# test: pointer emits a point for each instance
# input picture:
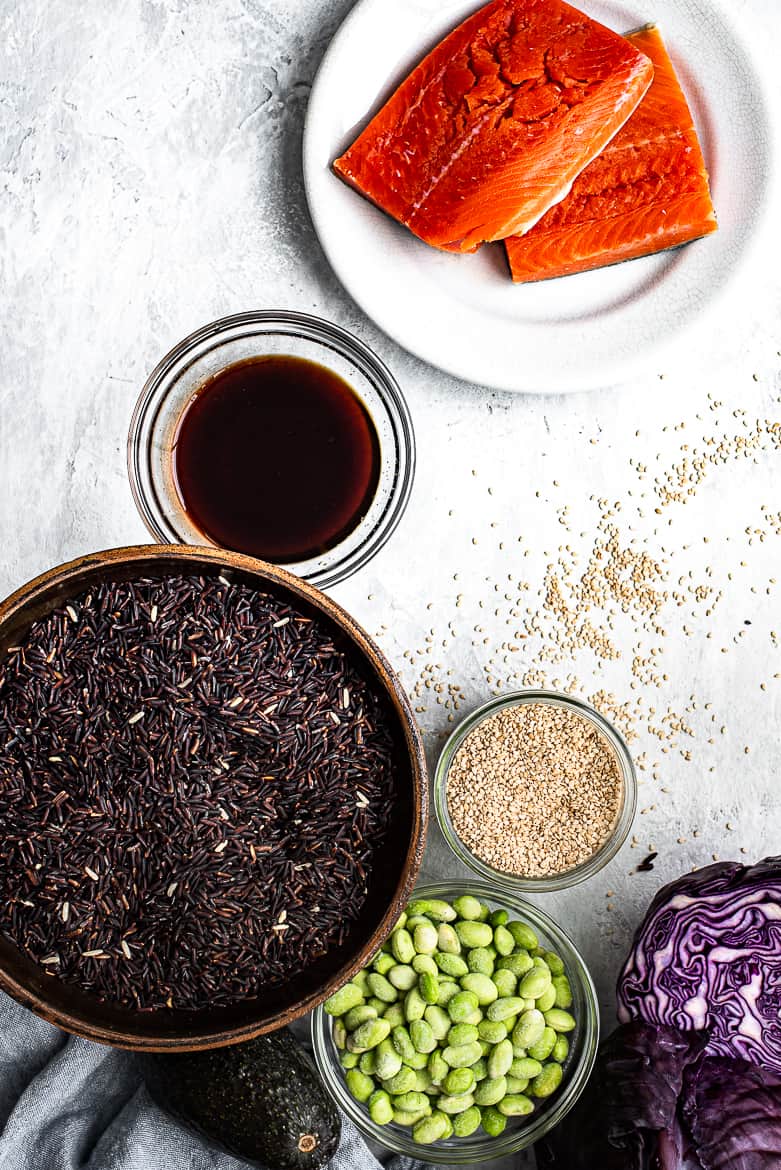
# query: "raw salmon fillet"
(647, 191)
(492, 127)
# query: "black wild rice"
(194, 783)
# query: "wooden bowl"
(392, 883)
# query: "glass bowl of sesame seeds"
(535, 791)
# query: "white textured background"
(150, 158)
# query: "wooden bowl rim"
(172, 554)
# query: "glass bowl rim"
(295, 324)
(483, 1147)
(550, 882)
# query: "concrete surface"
(150, 157)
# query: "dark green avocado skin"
(262, 1101)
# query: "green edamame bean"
(411, 1102)
(388, 1060)
(529, 1029)
(459, 1080)
(503, 940)
(359, 1015)
(559, 1020)
(402, 1042)
(423, 1081)
(447, 939)
(383, 963)
(370, 1034)
(359, 1085)
(382, 989)
(401, 920)
(516, 1106)
(492, 1121)
(524, 936)
(498, 917)
(560, 1049)
(451, 964)
(500, 1009)
(360, 980)
(425, 939)
(516, 1085)
(534, 983)
(402, 977)
(563, 991)
(457, 1104)
(433, 908)
(490, 1091)
(438, 1020)
(378, 1005)
(430, 1129)
(462, 1034)
(465, 1124)
(504, 982)
(447, 990)
(483, 987)
(349, 1060)
(519, 963)
(417, 920)
(414, 1005)
(418, 1060)
(474, 934)
(548, 1081)
(422, 1036)
(368, 1063)
(402, 946)
(402, 1082)
(394, 1014)
(402, 1117)
(462, 1005)
(380, 1108)
(480, 1069)
(546, 1000)
(467, 907)
(424, 963)
(492, 1030)
(480, 960)
(555, 963)
(437, 1067)
(486, 1047)
(525, 1068)
(339, 1033)
(499, 1060)
(343, 1000)
(462, 1055)
(544, 1046)
(428, 986)
(473, 1018)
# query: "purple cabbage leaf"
(733, 1112)
(627, 1117)
(708, 956)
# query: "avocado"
(262, 1101)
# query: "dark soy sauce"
(276, 457)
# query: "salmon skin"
(647, 191)
(493, 126)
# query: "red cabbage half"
(708, 955)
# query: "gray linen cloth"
(66, 1104)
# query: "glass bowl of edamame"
(469, 1036)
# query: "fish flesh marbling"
(647, 191)
(492, 127)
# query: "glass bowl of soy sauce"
(278, 435)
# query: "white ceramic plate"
(462, 313)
